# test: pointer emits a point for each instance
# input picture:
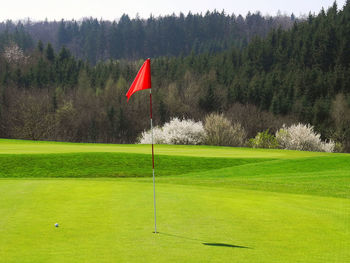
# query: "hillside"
(296, 75)
(173, 35)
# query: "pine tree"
(49, 52)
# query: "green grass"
(38, 147)
(324, 176)
(108, 164)
(215, 204)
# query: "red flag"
(142, 80)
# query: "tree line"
(98, 40)
(299, 74)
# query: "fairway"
(214, 204)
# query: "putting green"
(112, 221)
(230, 205)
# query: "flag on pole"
(142, 80)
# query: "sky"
(38, 10)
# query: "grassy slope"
(271, 170)
(38, 147)
(325, 176)
(108, 164)
(285, 206)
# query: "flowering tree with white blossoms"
(14, 54)
(177, 131)
(303, 138)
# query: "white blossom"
(175, 132)
(14, 54)
(303, 138)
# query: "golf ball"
(56, 225)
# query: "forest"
(98, 40)
(263, 75)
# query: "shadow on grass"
(204, 243)
(223, 245)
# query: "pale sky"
(113, 9)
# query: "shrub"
(264, 140)
(338, 147)
(220, 131)
(175, 132)
(302, 137)
(158, 136)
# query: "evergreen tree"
(49, 52)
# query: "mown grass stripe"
(108, 165)
(40, 147)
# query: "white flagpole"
(154, 185)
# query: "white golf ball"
(56, 225)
